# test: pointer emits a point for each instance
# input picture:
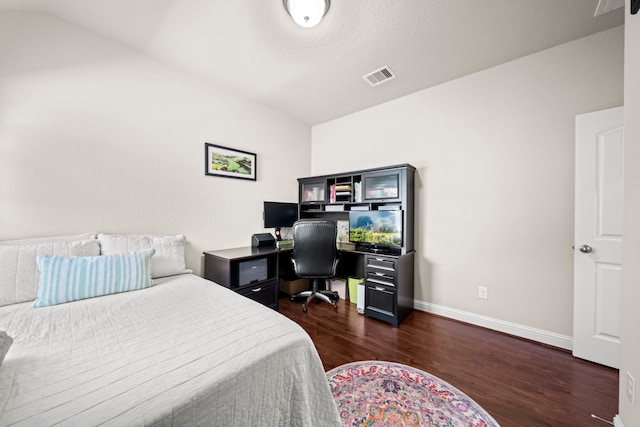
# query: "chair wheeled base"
(331, 297)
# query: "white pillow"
(85, 236)
(169, 257)
(19, 274)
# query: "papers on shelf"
(334, 208)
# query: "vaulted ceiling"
(315, 74)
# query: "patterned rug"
(376, 393)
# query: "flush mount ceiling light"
(307, 13)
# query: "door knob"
(585, 249)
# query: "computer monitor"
(279, 214)
(376, 230)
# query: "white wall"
(494, 153)
(97, 137)
(630, 362)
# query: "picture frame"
(229, 162)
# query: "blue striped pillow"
(69, 279)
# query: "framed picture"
(229, 162)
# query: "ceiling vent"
(379, 76)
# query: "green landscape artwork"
(229, 162)
(235, 164)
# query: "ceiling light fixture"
(307, 13)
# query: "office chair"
(315, 257)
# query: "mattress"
(185, 352)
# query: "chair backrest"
(314, 248)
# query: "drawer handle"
(382, 282)
(380, 267)
(379, 274)
(256, 289)
(378, 288)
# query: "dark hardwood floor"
(520, 383)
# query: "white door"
(598, 237)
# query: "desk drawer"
(253, 270)
(381, 278)
(381, 300)
(379, 263)
(265, 293)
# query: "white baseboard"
(617, 421)
(522, 331)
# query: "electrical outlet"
(483, 292)
(631, 389)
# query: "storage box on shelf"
(293, 286)
(313, 191)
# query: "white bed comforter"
(185, 352)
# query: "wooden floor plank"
(519, 382)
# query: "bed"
(183, 352)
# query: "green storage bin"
(353, 288)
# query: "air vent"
(381, 75)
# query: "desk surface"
(251, 252)
(245, 252)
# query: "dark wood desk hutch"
(388, 270)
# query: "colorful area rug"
(376, 393)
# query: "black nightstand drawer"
(264, 293)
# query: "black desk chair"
(315, 257)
